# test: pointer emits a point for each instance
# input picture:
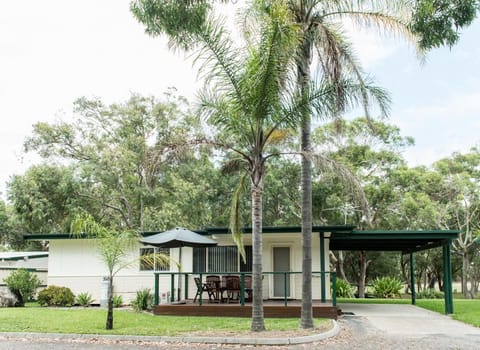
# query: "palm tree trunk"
(303, 76)
(109, 324)
(258, 323)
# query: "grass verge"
(92, 321)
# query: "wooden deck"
(271, 309)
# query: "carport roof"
(407, 241)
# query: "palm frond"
(235, 215)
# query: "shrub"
(22, 284)
(344, 289)
(143, 300)
(84, 299)
(429, 293)
(387, 287)
(56, 296)
(117, 301)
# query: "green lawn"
(467, 311)
(92, 321)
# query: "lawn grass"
(126, 322)
(467, 311)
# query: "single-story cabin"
(75, 262)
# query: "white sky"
(55, 51)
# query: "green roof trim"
(206, 231)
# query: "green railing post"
(412, 279)
(322, 268)
(334, 288)
(186, 286)
(172, 287)
(200, 301)
(285, 287)
(242, 288)
(155, 298)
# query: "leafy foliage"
(344, 289)
(84, 299)
(438, 22)
(23, 284)
(117, 300)
(56, 296)
(143, 300)
(387, 287)
(429, 293)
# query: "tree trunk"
(109, 324)
(363, 273)
(465, 271)
(258, 323)
(303, 80)
(341, 266)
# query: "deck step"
(232, 310)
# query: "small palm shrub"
(84, 299)
(117, 301)
(430, 293)
(22, 284)
(56, 296)
(143, 300)
(344, 289)
(387, 287)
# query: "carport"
(406, 242)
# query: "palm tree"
(113, 248)
(320, 22)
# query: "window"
(150, 261)
(221, 259)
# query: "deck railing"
(286, 275)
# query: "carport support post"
(412, 279)
(447, 277)
(322, 267)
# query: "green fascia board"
(284, 229)
(207, 231)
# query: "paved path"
(371, 327)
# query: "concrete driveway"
(409, 320)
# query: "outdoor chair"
(232, 288)
(215, 287)
(201, 288)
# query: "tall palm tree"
(251, 97)
(320, 22)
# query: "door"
(281, 263)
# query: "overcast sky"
(54, 51)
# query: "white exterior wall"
(75, 263)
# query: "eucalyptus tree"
(461, 203)
(126, 160)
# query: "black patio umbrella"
(177, 238)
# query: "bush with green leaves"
(56, 296)
(344, 289)
(117, 301)
(23, 284)
(143, 300)
(84, 299)
(387, 287)
(430, 293)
